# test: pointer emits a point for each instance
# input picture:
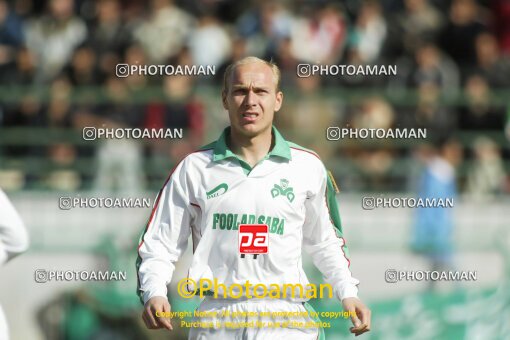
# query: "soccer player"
(250, 175)
(13, 241)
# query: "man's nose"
(250, 99)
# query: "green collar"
(221, 151)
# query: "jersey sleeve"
(324, 241)
(165, 237)
(13, 235)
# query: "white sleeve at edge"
(166, 237)
(13, 235)
(325, 247)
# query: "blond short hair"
(248, 60)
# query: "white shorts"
(237, 312)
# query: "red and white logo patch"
(253, 238)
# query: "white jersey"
(13, 241)
(212, 192)
(13, 235)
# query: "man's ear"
(279, 101)
(224, 99)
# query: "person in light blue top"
(433, 228)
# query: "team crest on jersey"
(217, 191)
(283, 190)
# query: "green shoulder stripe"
(296, 146)
(138, 290)
(334, 213)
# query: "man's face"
(251, 99)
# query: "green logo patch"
(219, 190)
(284, 190)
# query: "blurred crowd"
(443, 49)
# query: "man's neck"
(251, 149)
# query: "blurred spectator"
(374, 113)
(53, 38)
(82, 70)
(26, 8)
(238, 51)
(374, 162)
(430, 113)
(61, 155)
(353, 57)
(118, 107)
(420, 155)
(297, 115)
(163, 34)
(264, 26)
(226, 11)
(369, 32)
(286, 62)
(420, 22)
(494, 66)
(62, 176)
(501, 13)
(58, 110)
(479, 113)
(321, 37)
(108, 32)
(432, 234)
(429, 66)
(486, 177)
(181, 109)
(27, 113)
(209, 43)
(22, 72)
(83, 116)
(458, 37)
(119, 160)
(135, 55)
(119, 166)
(433, 67)
(11, 35)
(109, 35)
(507, 129)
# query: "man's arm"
(164, 240)
(13, 235)
(323, 240)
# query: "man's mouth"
(249, 117)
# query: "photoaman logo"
(219, 190)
